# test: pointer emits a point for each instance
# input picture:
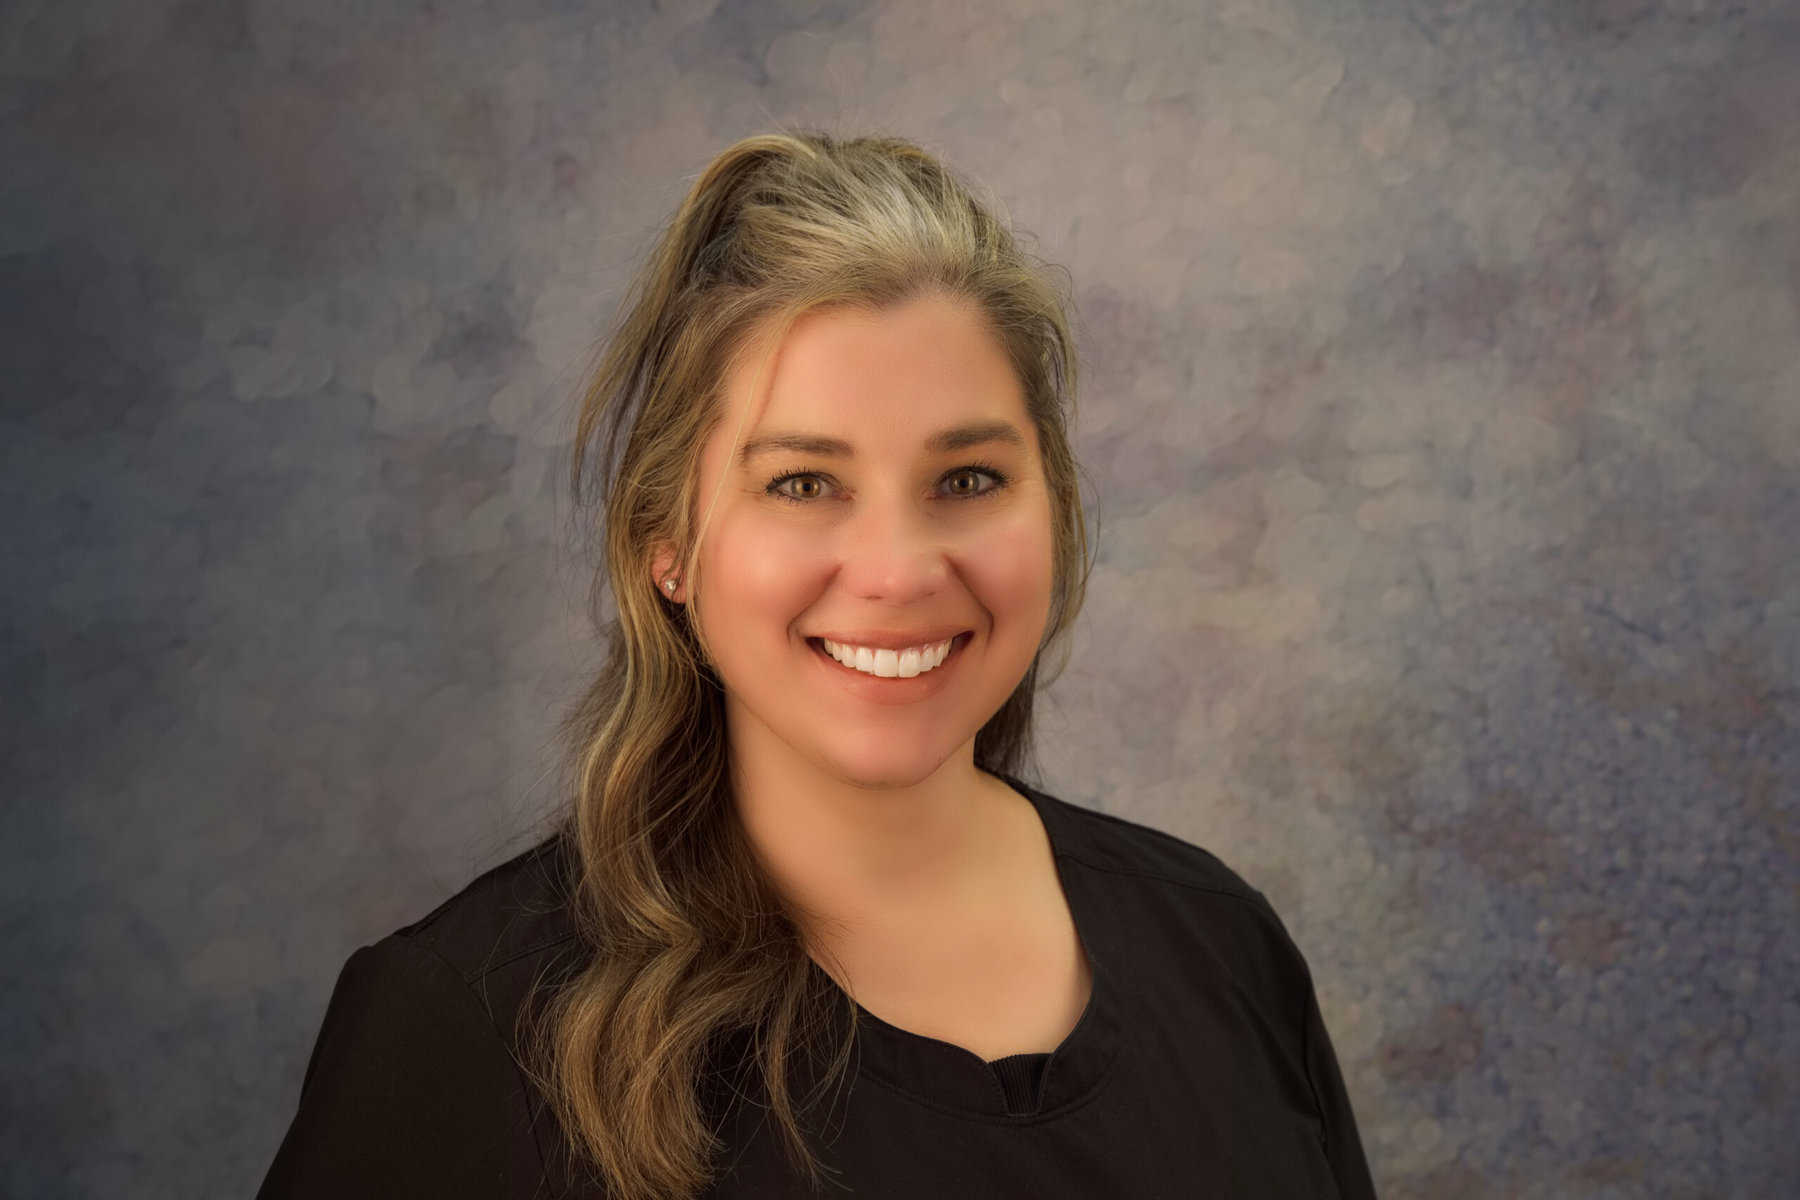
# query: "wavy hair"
(684, 940)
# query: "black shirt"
(1199, 1068)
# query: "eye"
(973, 472)
(809, 485)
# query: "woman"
(804, 924)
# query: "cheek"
(1010, 568)
(766, 569)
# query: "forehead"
(901, 372)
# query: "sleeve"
(1343, 1145)
(410, 1091)
(1290, 987)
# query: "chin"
(886, 765)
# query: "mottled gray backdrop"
(1442, 412)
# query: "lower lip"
(895, 690)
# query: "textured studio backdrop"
(1441, 409)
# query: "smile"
(890, 665)
(904, 664)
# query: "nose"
(893, 553)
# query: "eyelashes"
(776, 485)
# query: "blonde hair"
(687, 940)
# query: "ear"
(663, 567)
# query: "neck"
(861, 857)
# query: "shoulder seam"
(425, 948)
(1309, 1002)
(489, 968)
(1245, 894)
(482, 970)
(1312, 1084)
(485, 879)
(425, 929)
(1130, 827)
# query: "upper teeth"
(914, 660)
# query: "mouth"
(912, 682)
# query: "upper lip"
(894, 639)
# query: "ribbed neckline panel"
(1019, 1075)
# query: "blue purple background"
(1442, 415)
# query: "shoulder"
(517, 910)
(473, 962)
(506, 931)
(1104, 842)
(415, 1084)
(1150, 876)
(467, 972)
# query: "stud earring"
(669, 584)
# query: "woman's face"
(889, 494)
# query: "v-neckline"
(947, 1075)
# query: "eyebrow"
(957, 437)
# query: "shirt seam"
(1259, 905)
(488, 968)
(1238, 888)
(1313, 1086)
(1243, 894)
(487, 1013)
(1309, 1001)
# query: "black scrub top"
(1200, 1068)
